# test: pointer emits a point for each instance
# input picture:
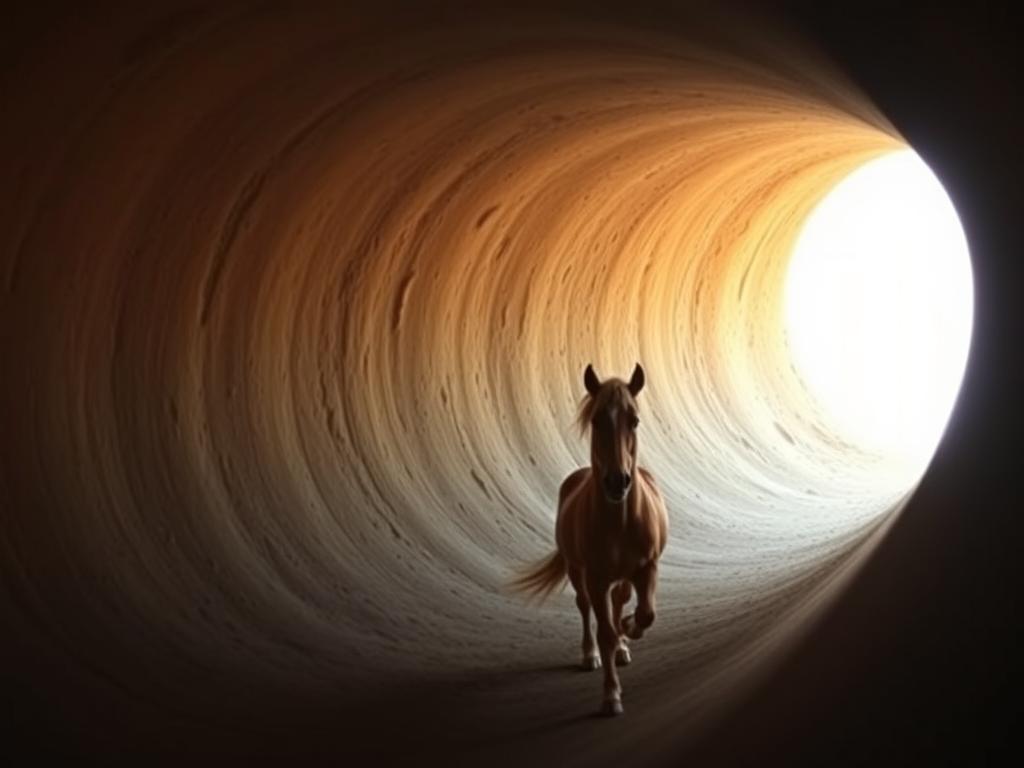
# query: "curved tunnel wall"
(296, 309)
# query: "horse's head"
(610, 410)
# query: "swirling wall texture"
(295, 310)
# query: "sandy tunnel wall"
(295, 312)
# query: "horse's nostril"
(617, 483)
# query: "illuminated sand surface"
(294, 331)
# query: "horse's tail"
(542, 578)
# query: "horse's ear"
(590, 380)
(636, 381)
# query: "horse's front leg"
(621, 593)
(645, 581)
(591, 660)
(607, 639)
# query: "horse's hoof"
(622, 656)
(591, 663)
(611, 707)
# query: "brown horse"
(611, 529)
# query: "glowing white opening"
(879, 305)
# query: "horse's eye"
(634, 421)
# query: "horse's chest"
(625, 554)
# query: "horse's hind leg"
(621, 593)
(591, 658)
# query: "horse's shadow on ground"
(565, 669)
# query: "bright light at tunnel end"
(879, 307)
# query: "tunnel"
(296, 305)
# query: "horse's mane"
(585, 413)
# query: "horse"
(611, 528)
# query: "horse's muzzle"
(616, 486)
